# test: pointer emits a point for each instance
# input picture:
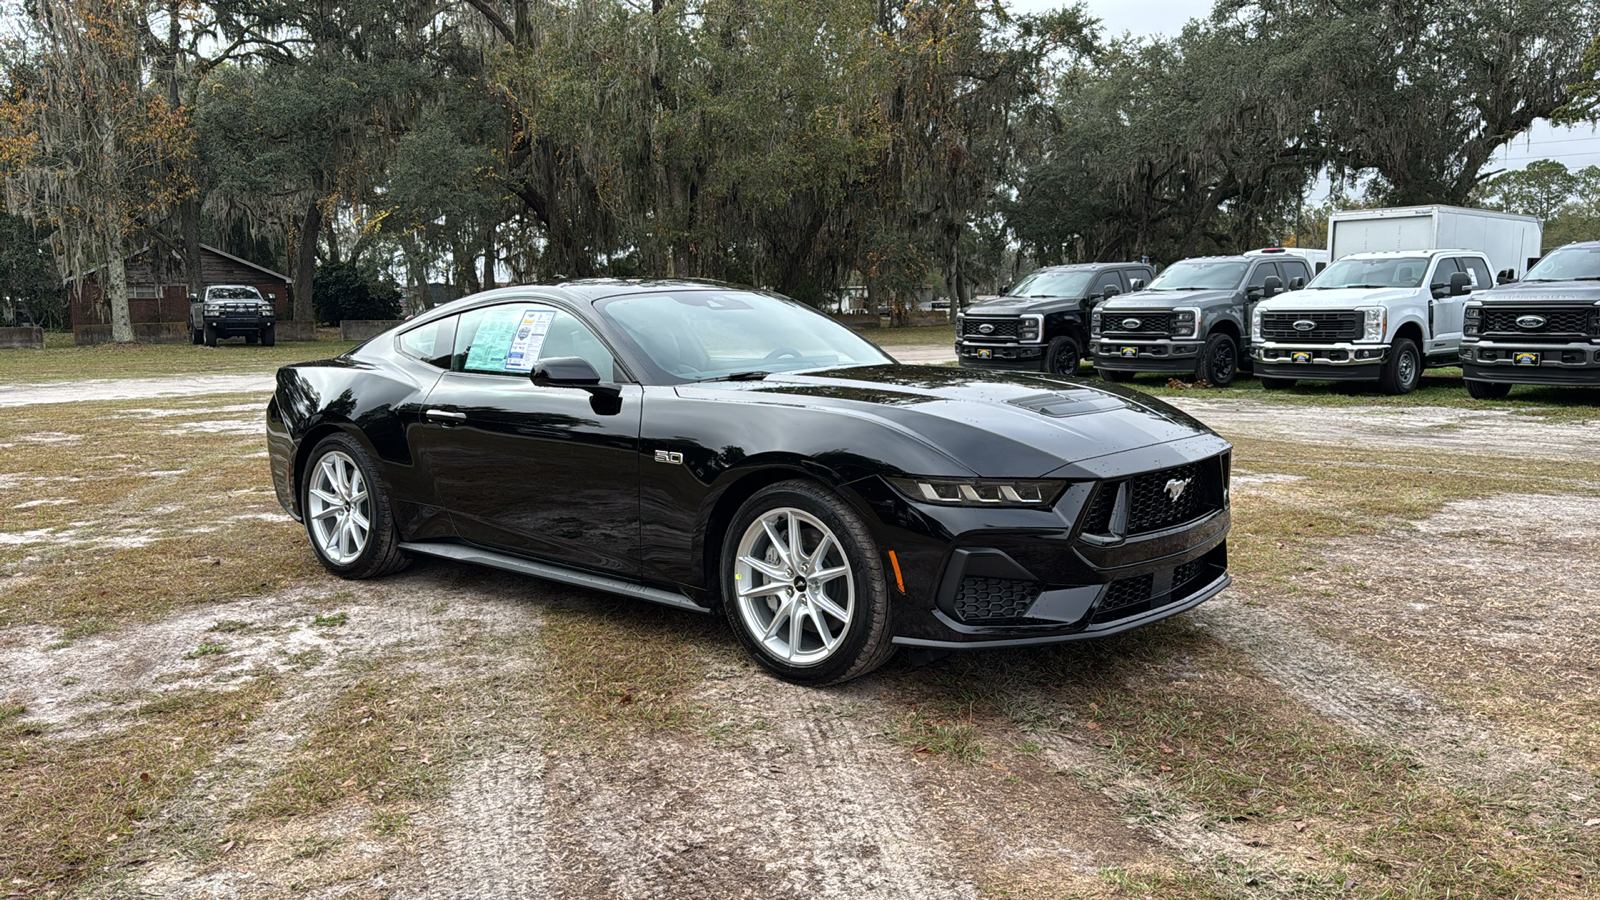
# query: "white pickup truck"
(1380, 317)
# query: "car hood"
(1337, 298)
(1162, 300)
(993, 423)
(1543, 292)
(1016, 306)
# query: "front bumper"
(1024, 357)
(238, 324)
(1164, 356)
(1323, 362)
(1574, 364)
(1006, 577)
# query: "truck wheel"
(1487, 390)
(1063, 357)
(1219, 361)
(1112, 375)
(1276, 384)
(269, 336)
(211, 335)
(1403, 370)
(195, 337)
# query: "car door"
(1254, 287)
(1107, 279)
(551, 472)
(1445, 313)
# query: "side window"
(1478, 271)
(1441, 275)
(1258, 278)
(1292, 269)
(508, 339)
(1107, 279)
(431, 342)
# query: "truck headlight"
(1185, 323)
(1255, 326)
(1472, 321)
(213, 309)
(1094, 322)
(994, 492)
(1377, 322)
(1032, 327)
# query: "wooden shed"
(158, 301)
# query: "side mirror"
(1460, 284)
(1296, 283)
(273, 298)
(1271, 286)
(1505, 276)
(1136, 284)
(194, 298)
(1005, 291)
(572, 371)
(1110, 291)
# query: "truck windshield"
(1390, 271)
(1194, 275)
(234, 293)
(1568, 264)
(1044, 283)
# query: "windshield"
(1568, 264)
(704, 335)
(1045, 283)
(1390, 271)
(1194, 275)
(233, 293)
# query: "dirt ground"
(1413, 710)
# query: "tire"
(1403, 370)
(195, 336)
(1118, 377)
(1062, 357)
(211, 336)
(269, 336)
(250, 339)
(783, 627)
(338, 489)
(1487, 390)
(1219, 361)
(1276, 384)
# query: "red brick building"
(158, 301)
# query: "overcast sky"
(1575, 147)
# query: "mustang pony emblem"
(1176, 487)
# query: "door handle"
(444, 417)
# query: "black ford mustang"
(716, 448)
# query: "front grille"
(1331, 327)
(989, 599)
(1150, 324)
(1098, 520)
(1577, 322)
(1143, 593)
(1150, 502)
(999, 329)
(1123, 593)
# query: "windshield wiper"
(753, 375)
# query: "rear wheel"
(1403, 370)
(1487, 390)
(1063, 357)
(804, 587)
(347, 514)
(1276, 384)
(1219, 360)
(211, 335)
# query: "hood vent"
(1062, 405)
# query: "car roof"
(1398, 254)
(1584, 245)
(1070, 267)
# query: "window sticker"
(1472, 274)
(508, 339)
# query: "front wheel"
(1403, 371)
(195, 335)
(269, 336)
(211, 335)
(804, 587)
(1063, 357)
(347, 514)
(1487, 390)
(1219, 361)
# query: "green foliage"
(28, 278)
(344, 291)
(1568, 202)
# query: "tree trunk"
(488, 257)
(306, 263)
(193, 261)
(115, 286)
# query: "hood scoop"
(1061, 405)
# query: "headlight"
(1255, 326)
(1032, 326)
(1472, 321)
(213, 309)
(1377, 322)
(1185, 323)
(998, 492)
(1094, 321)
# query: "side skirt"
(479, 556)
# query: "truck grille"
(999, 329)
(1151, 505)
(1150, 324)
(1330, 327)
(991, 599)
(1578, 322)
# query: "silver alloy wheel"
(338, 508)
(796, 590)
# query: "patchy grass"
(61, 363)
(67, 806)
(959, 739)
(330, 621)
(911, 336)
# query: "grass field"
(66, 362)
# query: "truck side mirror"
(1136, 284)
(194, 298)
(1296, 283)
(1110, 291)
(273, 297)
(1271, 286)
(1505, 276)
(1460, 284)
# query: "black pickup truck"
(232, 310)
(1544, 329)
(1041, 323)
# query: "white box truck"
(1391, 302)
(1511, 242)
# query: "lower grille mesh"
(987, 599)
